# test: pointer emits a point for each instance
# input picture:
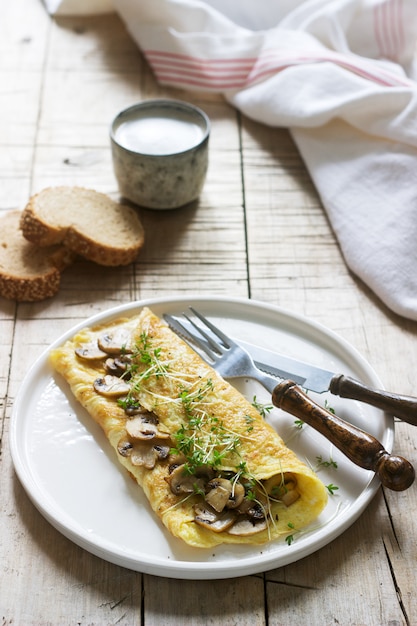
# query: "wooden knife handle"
(404, 407)
(363, 449)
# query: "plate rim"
(202, 569)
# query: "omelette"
(214, 471)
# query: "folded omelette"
(211, 467)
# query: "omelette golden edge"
(192, 425)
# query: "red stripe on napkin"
(238, 73)
(389, 28)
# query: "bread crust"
(62, 227)
(28, 273)
(30, 289)
(35, 231)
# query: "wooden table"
(260, 232)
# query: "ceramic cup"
(160, 153)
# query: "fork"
(230, 360)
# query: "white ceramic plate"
(72, 476)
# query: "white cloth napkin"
(79, 7)
(338, 74)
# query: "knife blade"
(308, 376)
(319, 380)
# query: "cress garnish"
(204, 441)
(203, 455)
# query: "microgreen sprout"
(203, 439)
(322, 463)
(249, 421)
(290, 538)
(332, 488)
(263, 409)
(150, 356)
(128, 403)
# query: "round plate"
(72, 475)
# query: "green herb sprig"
(290, 538)
(263, 409)
(332, 488)
(322, 463)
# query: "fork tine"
(227, 342)
(213, 345)
(203, 345)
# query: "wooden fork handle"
(403, 407)
(361, 448)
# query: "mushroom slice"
(251, 509)
(283, 487)
(244, 527)
(182, 481)
(162, 451)
(279, 483)
(111, 386)
(207, 517)
(137, 409)
(236, 497)
(117, 366)
(116, 342)
(90, 351)
(220, 490)
(123, 362)
(141, 428)
(124, 447)
(175, 460)
(256, 512)
(143, 454)
(290, 497)
(111, 367)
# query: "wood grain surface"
(258, 231)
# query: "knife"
(320, 380)
(360, 447)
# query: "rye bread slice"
(85, 221)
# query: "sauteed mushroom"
(125, 447)
(162, 451)
(117, 366)
(141, 427)
(135, 409)
(90, 352)
(175, 460)
(111, 386)
(117, 342)
(283, 488)
(207, 517)
(181, 481)
(220, 491)
(110, 367)
(236, 497)
(250, 509)
(255, 512)
(245, 527)
(143, 454)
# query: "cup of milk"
(160, 153)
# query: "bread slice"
(85, 221)
(28, 273)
